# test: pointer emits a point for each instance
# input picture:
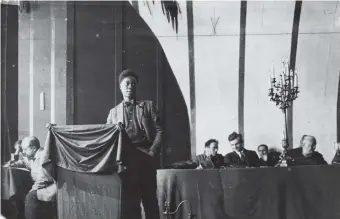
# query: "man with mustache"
(305, 154)
(143, 126)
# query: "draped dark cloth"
(88, 148)
(88, 161)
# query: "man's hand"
(10, 163)
(199, 167)
(151, 153)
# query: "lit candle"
(270, 82)
(273, 70)
(284, 131)
(290, 78)
(284, 127)
(291, 73)
(296, 79)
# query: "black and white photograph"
(174, 109)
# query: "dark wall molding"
(242, 51)
(190, 18)
(9, 79)
(118, 45)
(70, 62)
(292, 63)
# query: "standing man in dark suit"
(240, 157)
(210, 159)
(143, 126)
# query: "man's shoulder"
(200, 156)
(40, 151)
(294, 151)
(219, 155)
(274, 153)
(230, 154)
(250, 152)
(317, 154)
(115, 108)
(40, 154)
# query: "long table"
(15, 183)
(311, 192)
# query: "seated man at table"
(305, 154)
(210, 159)
(267, 158)
(39, 201)
(240, 157)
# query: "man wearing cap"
(142, 124)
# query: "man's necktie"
(243, 157)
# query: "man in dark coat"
(240, 157)
(267, 158)
(305, 154)
(210, 159)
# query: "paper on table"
(19, 168)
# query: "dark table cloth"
(15, 183)
(88, 196)
(311, 192)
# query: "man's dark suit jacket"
(233, 159)
(273, 159)
(217, 161)
(297, 158)
(148, 120)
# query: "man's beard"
(307, 154)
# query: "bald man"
(39, 201)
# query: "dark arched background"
(106, 37)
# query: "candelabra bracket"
(168, 214)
